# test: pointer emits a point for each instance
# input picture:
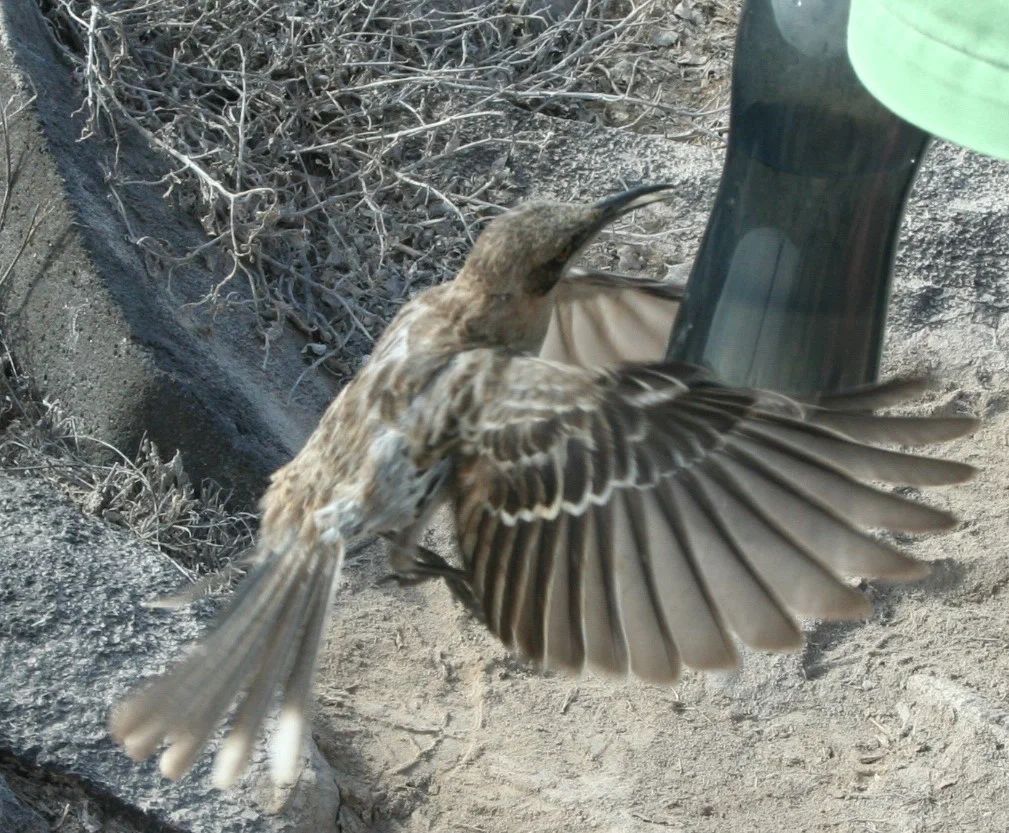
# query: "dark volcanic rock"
(74, 639)
(100, 334)
(17, 819)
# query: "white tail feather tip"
(230, 761)
(285, 747)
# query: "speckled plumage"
(614, 510)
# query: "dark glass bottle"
(790, 286)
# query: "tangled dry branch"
(324, 144)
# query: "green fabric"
(940, 64)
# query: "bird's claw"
(426, 565)
(405, 579)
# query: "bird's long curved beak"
(623, 203)
(616, 206)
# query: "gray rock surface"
(950, 306)
(17, 819)
(94, 329)
(74, 638)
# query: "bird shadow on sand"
(944, 575)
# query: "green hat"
(940, 64)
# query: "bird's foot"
(426, 564)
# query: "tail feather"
(234, 753)
(285, 746)
(267, 639)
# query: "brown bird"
(630, 516)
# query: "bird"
(614, 510)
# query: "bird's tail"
(267, 639)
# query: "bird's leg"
(413, 563)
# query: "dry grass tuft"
(151, 497)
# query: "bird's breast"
(391, 492)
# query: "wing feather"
(603, 319)
(565, 641)
(646, 514)
(688, 607)
(653, 654)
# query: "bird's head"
(520, 256)
(526, 250)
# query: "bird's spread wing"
(634, 519)
(601, 319)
